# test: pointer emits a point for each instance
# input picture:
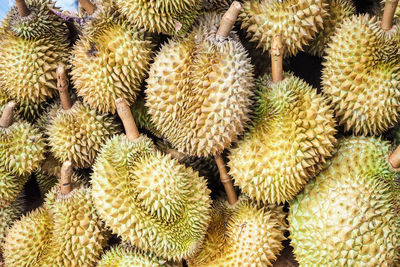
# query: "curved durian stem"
(125, 113)
(22, 8)
(66, 174)
(394, 158)
(7, 118)
(88, 6)
(62, 86)
(226, 180)
(277, 58)
(228, 20)
(388, 14)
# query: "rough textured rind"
(297, 21)
(289, 140)
(77, 134)
(361, 75)
(48, 174)
(360, 191)
(142, 117)
(149, 199)
(110, 61)
(8, 215)
(199, 90)
(10, 187)
(245, 234)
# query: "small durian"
(8, 215)
(110, 60)
(297, 21)
(147, 198)
(48, 175)
(75, 132)
(349, 214)
(361, 74)
(245, 234)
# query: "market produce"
(48, 174)
(8, 215)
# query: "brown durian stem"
(7, 118)
(394, 158)
(228, 20)
(125, 113)
(66, 175)
(62, 86)
(22, 8)
(226, 180)
(88, 6)
(388, 14)
(277, 58)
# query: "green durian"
(142, 117)
(48, 175)
(348, 215)
(290, 138)
(10, 187)
(245, 234)
(8, 215)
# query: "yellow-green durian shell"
(8, 215)
(142, 117)
(10, 187)
(361, 75)
(245, 234)
(347, 215)
(149, 199)
(289, 140)
(297, 21)
(48, 174)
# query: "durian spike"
(394, 158)
(7, 118)
(388, 14)
(88, 6)
(124, 112)
(276, 58)
(226, 180)
(228, 20)
(62, 86)
(66, 174)
(22, 8)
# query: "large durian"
(348, 215)
(110, 60)
(245, 234)
(35, 41)
(75, 132)
(8, 215)
(361, 75)
(147, 198)
(297, 21)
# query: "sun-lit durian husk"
(8, 215)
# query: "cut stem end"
(226, 180)
(229, 18)
(88, 6)
(7, 118)
(394, 158)
(124, 112)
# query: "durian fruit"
(35, 41)
(245, 234)
(142, 117)
(110, 60)
(8, 215)
(48, 174)
(297, 21)
(361, 74)
(75, 132)
(338, 11)
(348, 215)
(147, 198)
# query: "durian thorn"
(66, 174)
(22, 8)
(62, 86)
(277, 58)
(88, 6)
(125, 113)
(7, 118)
(388, 14)
(394, 159)
(226, 180)
(229, 18)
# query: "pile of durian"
(181, 133)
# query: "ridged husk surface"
(10, 187)
(48, 174)
(361, 75)
(297, 21)
(149, 199)
(8, 215)
(199, 90)
(110, 61)
(289, 140)
(245, 234)
(348, 215)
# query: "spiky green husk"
(338, 11)
(8, 215)
(142, 117)
(289, 140)
(48, 174)
(10, 187)
(297, 21)
(77, 134)
(199, 90)
(245, 234)
(149, 199)
(346, 216)
(110, 61)
(361, 75)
